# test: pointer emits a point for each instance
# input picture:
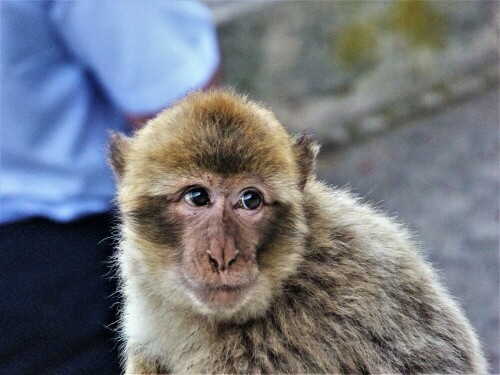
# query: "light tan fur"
(341, 288)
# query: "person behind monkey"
(69, 72)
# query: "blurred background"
(403, 96)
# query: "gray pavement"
(440, 176)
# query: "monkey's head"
(211, 197)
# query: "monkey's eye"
(197, 197)
(250, 200)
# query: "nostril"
(213, 262)
(233, 260)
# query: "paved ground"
(440, 175)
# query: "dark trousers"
(57, 298)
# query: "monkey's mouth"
(224, 297)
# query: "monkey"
(235, 258)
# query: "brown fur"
(341, 288)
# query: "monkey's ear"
(305, 153)
(118, 148)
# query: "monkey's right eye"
(197, 197)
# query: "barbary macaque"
(234, 258)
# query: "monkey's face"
(226, 223)
(211, 197)
(223, 219)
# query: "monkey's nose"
(222, 261)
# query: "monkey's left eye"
(197, 197)
(250, 200)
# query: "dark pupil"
(199, 197)
(251, 200)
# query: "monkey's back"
(362, 301)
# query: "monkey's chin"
(224, 299)
(221, 299)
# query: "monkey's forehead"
(221, 133)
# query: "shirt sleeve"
(144, 54)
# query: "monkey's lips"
(224, 297)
